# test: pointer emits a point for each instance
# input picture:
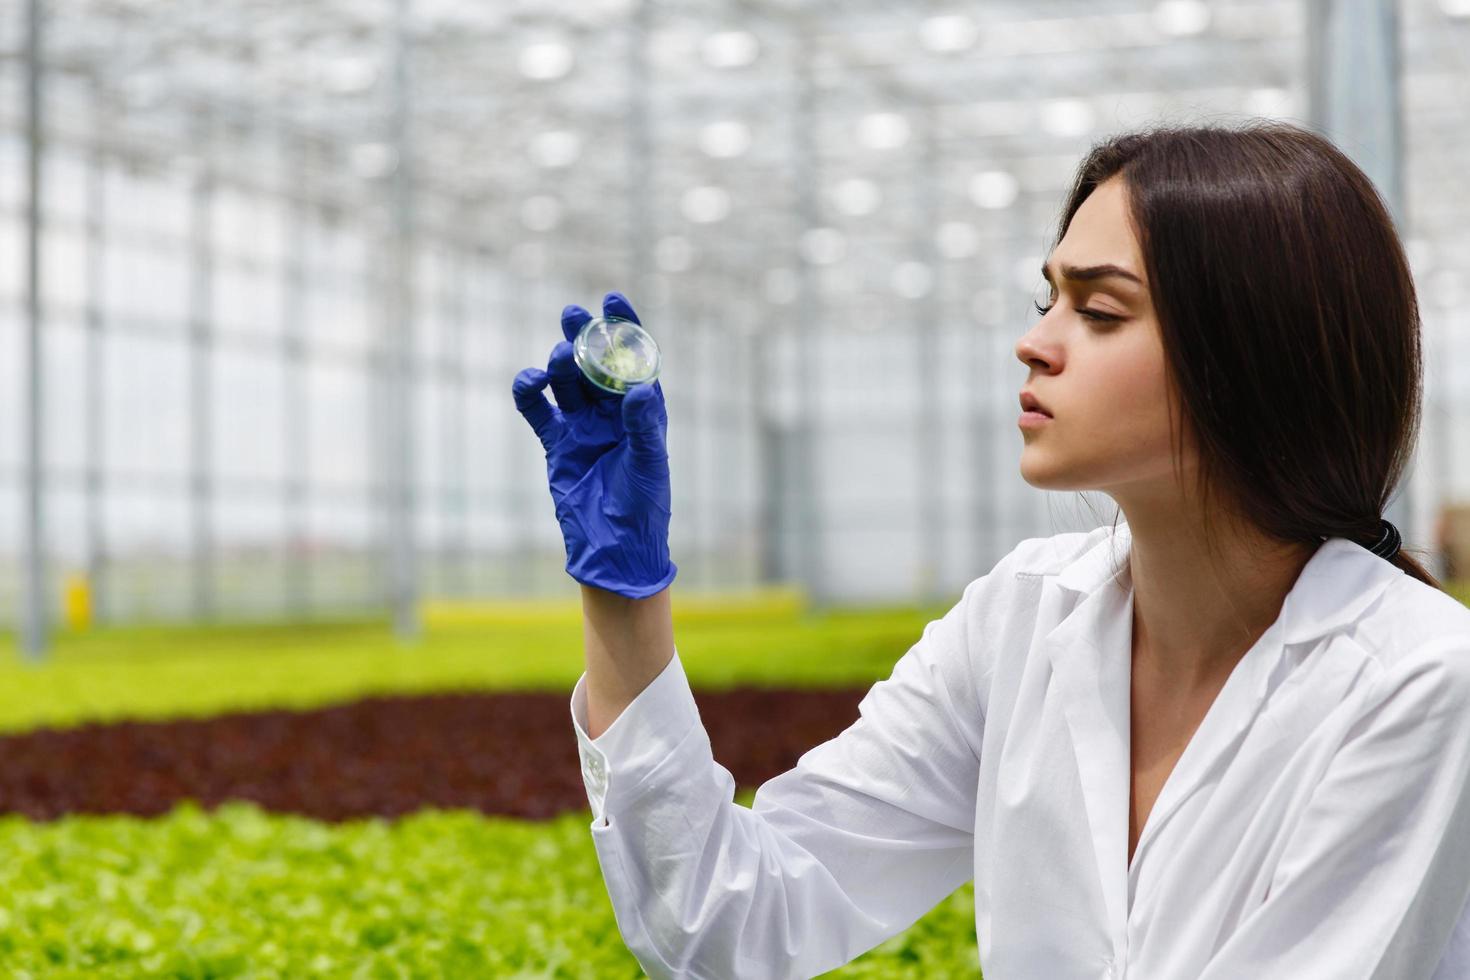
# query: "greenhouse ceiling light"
(883, 131)
(957, 240)
(948, 32)
(1275, 103)
(556, 148)
(673, 253)
(541, 212)
(1067, 117)
(348, 74)
(671, 49)
(1182, 18)
(857, 196)
(705, 205)
(994, 190)
(1027, 272)
(912, 280)
(988, 306)
(544, 61)
(823, 246)
(726, 139)
(729, 49)
(373, 160)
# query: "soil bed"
(508, 754)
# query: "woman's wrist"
(628, 643)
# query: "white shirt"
(1316, 826)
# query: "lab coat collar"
(1336, 585)
(1090, 654)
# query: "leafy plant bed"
(511, 753)
(237, 892)
(158, 673)
(241, 893)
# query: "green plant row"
(237, 892)
(172, 672)
(158, 672)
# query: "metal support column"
(94, 420)
(805, 482)
(452, 435)
(34, 626)
(523, 500)
(705, 420)
(1355, 87)
(927, 359)
(295, 174)
(640, 160)
(403, 556)
(1355, 93)
(993, 441)
(201, 353)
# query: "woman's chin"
(1036, 472)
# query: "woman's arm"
(628, 643)
(867, 833)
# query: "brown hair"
(1288, 316)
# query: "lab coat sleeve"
(1374, 878)
(868, 832)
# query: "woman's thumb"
(644, 418)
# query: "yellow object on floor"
(780, 602)
(77, 601)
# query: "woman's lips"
(1029, 419)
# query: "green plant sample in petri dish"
(615, 354)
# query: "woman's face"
(1101, 380)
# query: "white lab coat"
(1316, 826)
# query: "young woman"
(1226, 737)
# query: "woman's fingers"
(573, 319)
(616, 304)
(645, 419)
(528, 389)
(566, 378)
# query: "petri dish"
(615, 354)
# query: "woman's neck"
(1195, 614)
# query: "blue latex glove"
(607, 464)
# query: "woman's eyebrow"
(1090, 272)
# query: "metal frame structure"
(296, 255)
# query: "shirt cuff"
(637, 741)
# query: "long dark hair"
(1289, 321)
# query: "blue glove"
(607, 464)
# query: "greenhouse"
(292, 617)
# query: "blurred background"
(267, 270)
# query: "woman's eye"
(1090, 314)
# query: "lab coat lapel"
(1338, 582)
(1215, 740)
(1089, 653)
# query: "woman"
(1228, 737)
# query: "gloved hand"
(607, 464)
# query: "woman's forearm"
(628, 643)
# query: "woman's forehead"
(1101, 236)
